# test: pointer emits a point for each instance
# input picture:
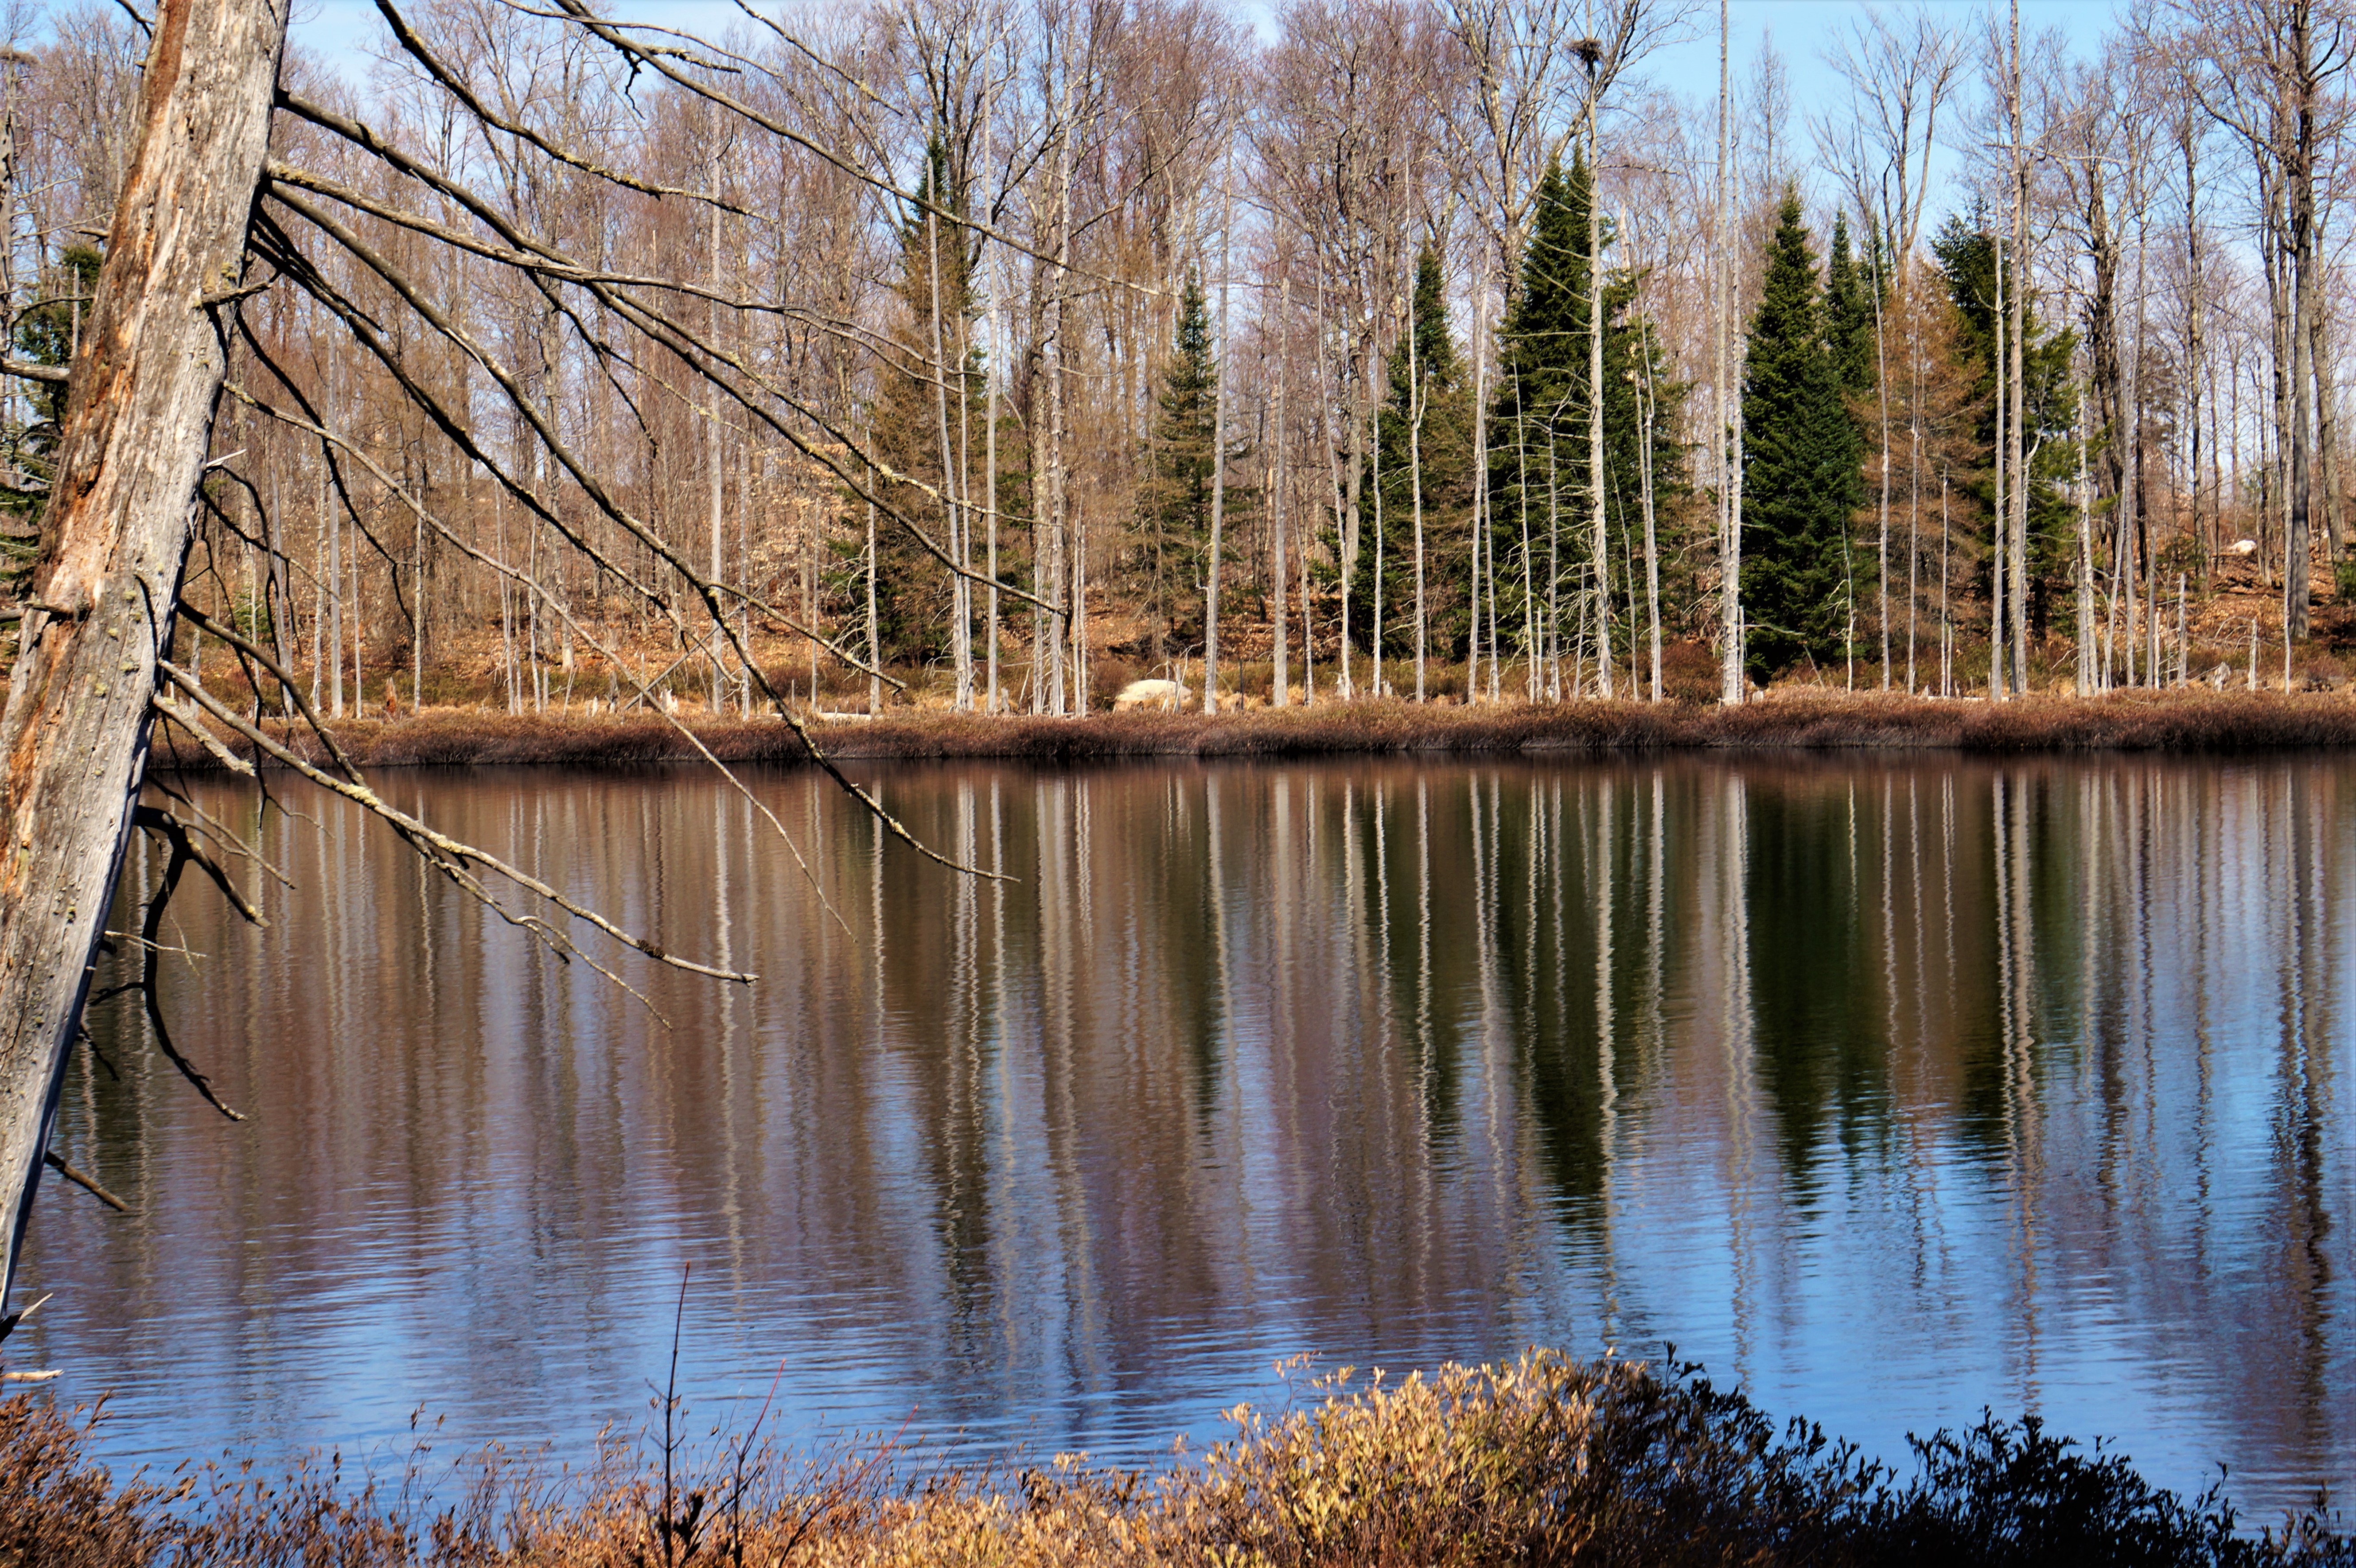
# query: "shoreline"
(2192, 721)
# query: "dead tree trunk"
(73, 739)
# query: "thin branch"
(452, 854)
(58, 1163)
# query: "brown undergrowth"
(2196, 719)
(1548, 1461)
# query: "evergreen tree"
(1167, 558)
(1800, 484)
(1849, 283)
(1432, 377)
(1966, 253)
(1539, 427)
(1174, 511)
(913, 590)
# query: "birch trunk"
(74, 736)
(1729, 523)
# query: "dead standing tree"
(74, 736)
(203, 225)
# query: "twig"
(58, 1163)
(452, 854)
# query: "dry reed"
(1548, 1461)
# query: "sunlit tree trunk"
(1279, 696)
(1730, 484)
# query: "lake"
(1890, 1089)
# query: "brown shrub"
(57, 1507)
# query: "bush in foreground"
(1547, 1461)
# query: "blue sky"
(1801, 28)
(1801, 31)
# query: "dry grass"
(1546, 1462)
(2194, 720)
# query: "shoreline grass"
(2194, 720)
(1548, 1461)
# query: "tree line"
(1434, 348)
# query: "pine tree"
(1799, 481)
(1445, 442)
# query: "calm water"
(1891, 1091)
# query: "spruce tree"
(1174, 511)
(1966, 253)
(914, 590)
(1850, 282)
(1800, 480)
(1538, 424)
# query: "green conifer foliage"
(1800, 483)
(1538, 430)
(1966, 254)
(1445, 444)
(1166, 561)
(913, 589)
(1850, 282)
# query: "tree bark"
(74, 736)
(2300, 178)
(1730, 484)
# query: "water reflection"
(1894, 1091)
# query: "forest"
(990, 355)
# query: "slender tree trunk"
(333, 587)
(1645, 412)
(1730, 484)
(2151, 596)
(2327, 424)
(2086, 571)
(960, 652)
(2305, 306)
(1218, 475)
(990, 479)
(74, 735)
(715, 457)
(875, 651)
(1415, 479)
(1352, 514)
(1280, 694)
(1881, 397)
(2003, 513)
(2194, 305)
(1484, 547)
(1382, 550)
(2017, 444)
(1050, 520)
(1600, 544)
